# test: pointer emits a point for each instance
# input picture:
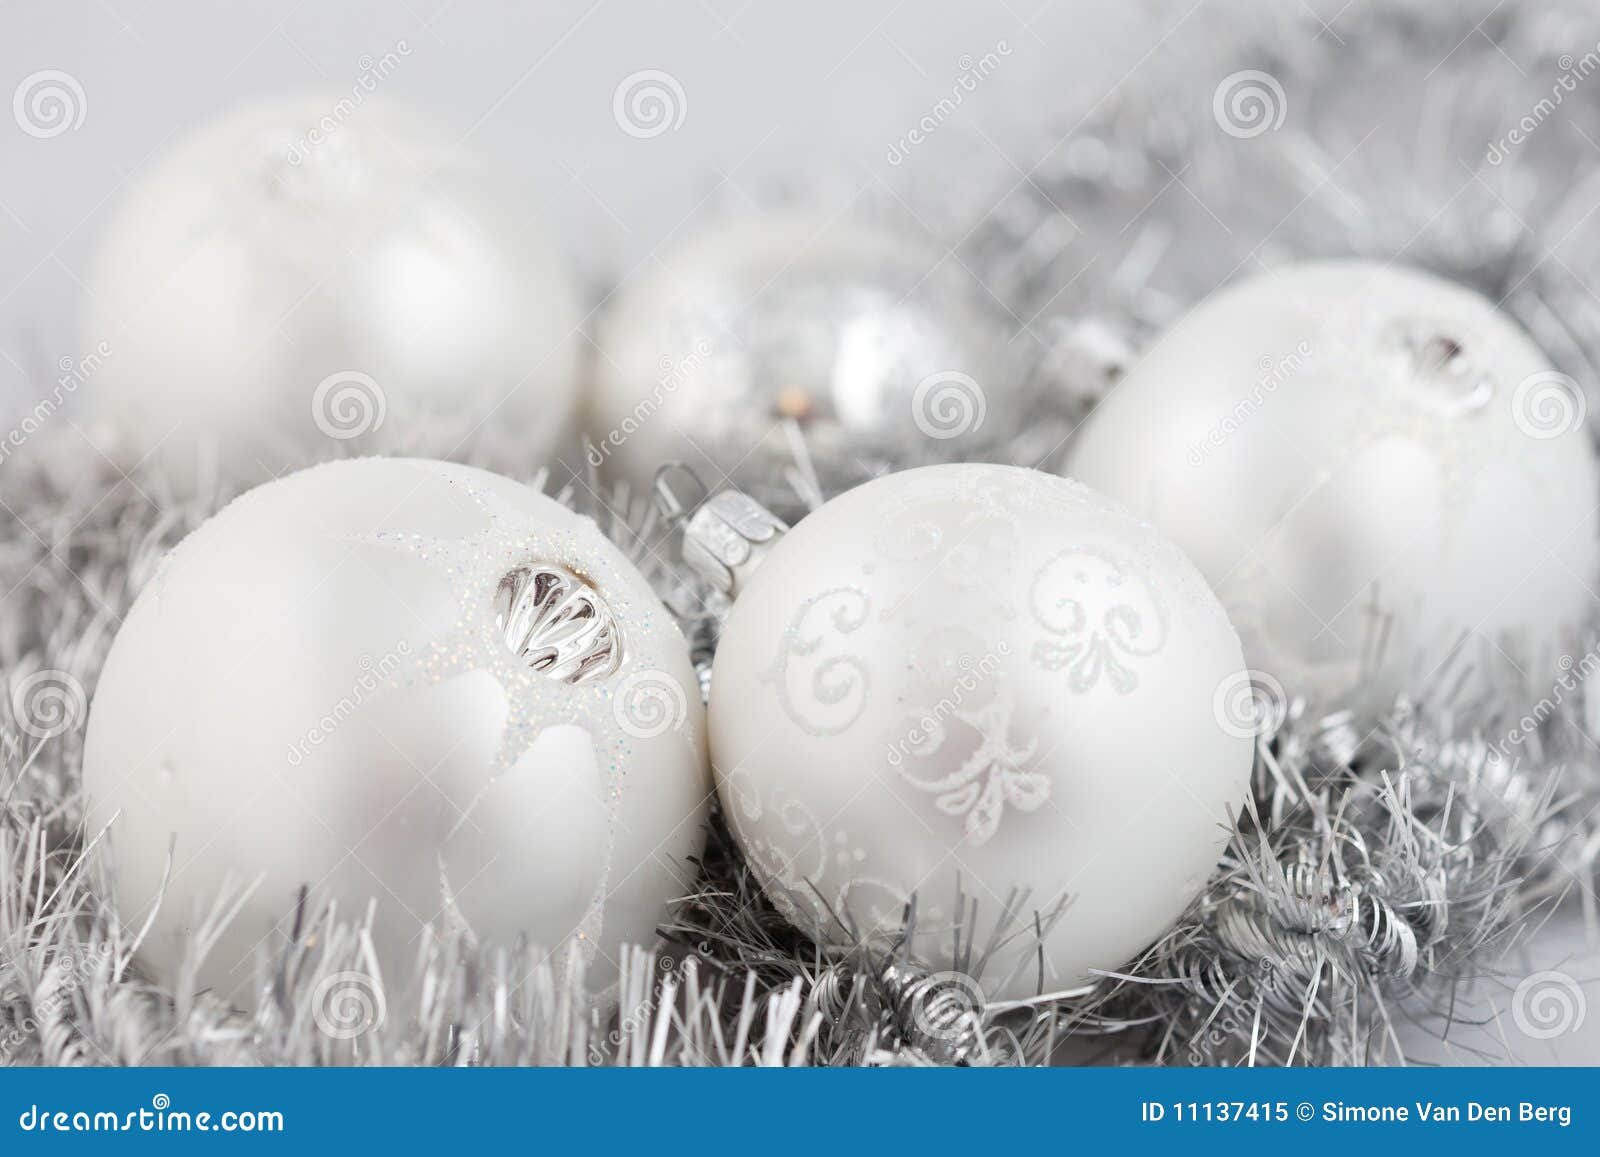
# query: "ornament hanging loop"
(674, 512)
(727, 537)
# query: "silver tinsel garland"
(1371, 872)
(1374, 870)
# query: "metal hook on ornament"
(725, 535)
(668, 504)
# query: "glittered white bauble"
(303, 277)
(1383, 478)
(883, 350)
(408, 682)
(982, 682)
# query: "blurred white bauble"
(403, 681)
(1386, 482)
(884, 351)
(982, 682)
(299, 278)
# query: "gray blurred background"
(814, 94)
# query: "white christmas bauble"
(303, 277)
(882, 349)
(407, 682)
(988, 683)
(1387, 484)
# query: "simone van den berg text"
(1343, 1112)
(1433, 1112)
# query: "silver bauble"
(308, 276)
(1383, 478)
(941, 685)
(415, 689)
(883, 352)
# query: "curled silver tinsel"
(1371, 873)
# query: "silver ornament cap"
(727, 538)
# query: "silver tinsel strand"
(1371, 872)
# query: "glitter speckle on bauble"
(303, 278)
(1387, 483)
(403, 682)
(993, 690)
